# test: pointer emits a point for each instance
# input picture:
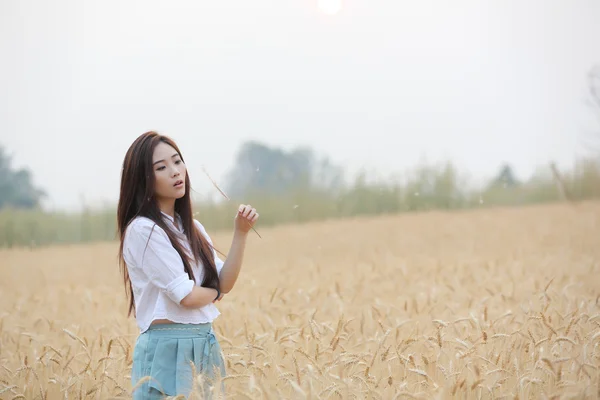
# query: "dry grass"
(490, 304)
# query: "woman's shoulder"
(202, 229)
(141, 227)
(141, 233)
(140, 222)
(199, 225)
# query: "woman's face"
(169, 173)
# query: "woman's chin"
(174, 194)
(180, 194)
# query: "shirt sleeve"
(218, 262)
(159, 260)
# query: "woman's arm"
(233, 264)
(199, 297)
(244, 221)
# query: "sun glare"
(330, 7)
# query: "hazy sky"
(477, 82)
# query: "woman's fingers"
(246, 211)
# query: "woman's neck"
(167, 207)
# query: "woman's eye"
(160, 168)
(178, 162)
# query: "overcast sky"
(477, 82)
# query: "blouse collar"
(171, 220)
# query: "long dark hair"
(137, 199)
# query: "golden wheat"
(499, 303)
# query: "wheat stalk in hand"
(224, 195)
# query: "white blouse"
(158, 278)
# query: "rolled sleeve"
(159, 260)
(179, 288)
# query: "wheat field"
(497, 303)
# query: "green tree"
(264, 170)
(506, 177)
(16, 186)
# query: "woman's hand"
(245, 218)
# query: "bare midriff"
(161, 321)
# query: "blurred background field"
(425, 188)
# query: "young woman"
(172, 274)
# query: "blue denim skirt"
(162, 359)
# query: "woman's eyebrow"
(156, 162)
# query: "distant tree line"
(16, 185)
